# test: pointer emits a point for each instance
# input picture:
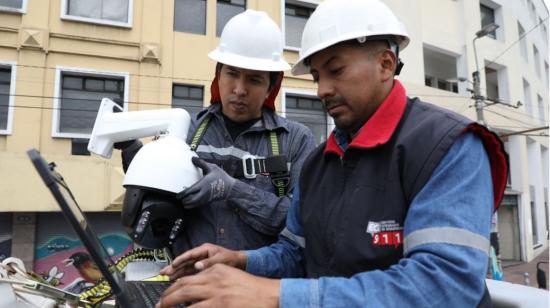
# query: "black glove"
(123, 145)
(215, 185)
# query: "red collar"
(269, 101)
(381, 125)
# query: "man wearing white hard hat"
(250, 156)
(394, 210)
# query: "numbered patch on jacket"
(385, 233)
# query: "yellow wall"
(39, 41)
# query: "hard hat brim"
(301, 69)
(247, 62)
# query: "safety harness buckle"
(249, 173)
(280, 181)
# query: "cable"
(293, 113)
(174, 78)
(513, 43)
(530, 116)
(524, 132)
(129, 74)
(439, 95)
(209, 81)
(509, 118)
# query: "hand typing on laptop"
(201, 258)
(220, 285)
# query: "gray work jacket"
(253, 215)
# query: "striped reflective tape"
(446, 235)
(300, 240)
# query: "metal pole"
(478, 98)
(477, 90)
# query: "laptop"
(128, 294)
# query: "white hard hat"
(165, 165)
(251, 40)
(336, 21)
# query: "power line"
(209, 81)
(513, 43)
(140, 103)
(530, 116)
(286, 113)
(160, 104)
(509, 118)
(129, 74)
(525, 131)
(439, 95)
(509, 127)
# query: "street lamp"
(475, 75)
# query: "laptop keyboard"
(147, 292)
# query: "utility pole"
(479, 99)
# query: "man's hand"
(201, 258)
(215, 185)
(222, 286)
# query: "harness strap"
(200, 132)
(250, 166)
(279, 179)
(276, 165)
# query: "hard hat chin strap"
(395, 48)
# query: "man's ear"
(388, 63)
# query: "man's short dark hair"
(373, 45)
(273, 76)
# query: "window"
(188, 97)
(80, 93)
(108, 12)
(429, 81)
(226, 9)
(7, 92)
(441, 84)
(447, 86)
(15, 6)
(487, 18)
(440, 69)
(522, 42)
(190, 16)
(308, 110)
(533, 215)
(542, 114)
(527, 96)
(81, 96)
(496, 82)
(295, 17)
(5, 81)
(537, 60)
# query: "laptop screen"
(82, 222)
(74, 215)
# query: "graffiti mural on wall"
(60, 257)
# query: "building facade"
(58, 58)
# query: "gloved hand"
(215, 185)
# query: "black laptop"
(128, 294)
